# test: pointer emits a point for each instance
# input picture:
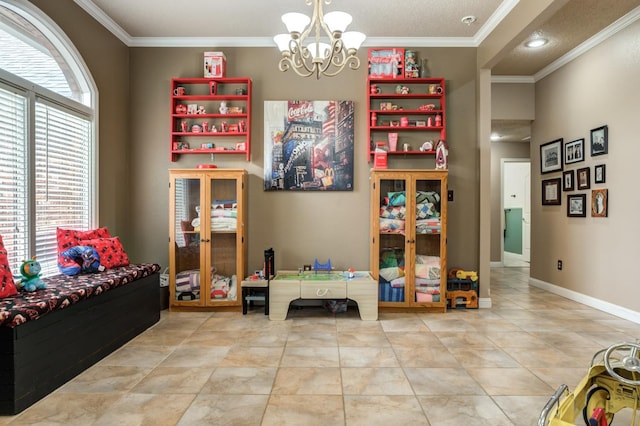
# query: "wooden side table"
(255, 290)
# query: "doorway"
(516, 206)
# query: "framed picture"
(551, 192)
(584, 178)
(599, 173)
(551, 156)
(599, 140)
(576, 205)
(599, 203)
(567, 180)
(574, 151)
(309, 145)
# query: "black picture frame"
(583, 178)
(551, 192)
(574, 151)
(576, 205)
(599, 140)
(599, 173)
(551, 156)
(568, 180)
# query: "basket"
(164, 278)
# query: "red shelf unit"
(198, 92)
(387, 108)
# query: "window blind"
(13, 177)
(62, 178)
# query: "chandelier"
(317, 56)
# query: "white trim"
(79, 68)
(494, 20)
(582, 48)
(589, 44)
(601, 305)
(520, 79)
(105, 20)
(484, 303)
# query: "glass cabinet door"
(391, 236)
(222, 254)
(187, 240)
(427, 236)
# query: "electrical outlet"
(559, 265)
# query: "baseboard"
(601, 305)
(484, 302)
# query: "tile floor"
(494, 366)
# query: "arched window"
(47, 136)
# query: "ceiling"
(407, 23)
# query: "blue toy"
(30, 271)
(79, 260)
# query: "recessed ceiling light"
(536, 42)
(495, 136)
(469, 19)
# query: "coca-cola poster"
(308, 145)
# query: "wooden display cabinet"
(414, 109)
(409, 239)
(207, 238)
(197, 102)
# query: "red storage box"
(215, 65)
(380, 159)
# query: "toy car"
(611, 384)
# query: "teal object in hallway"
(513, 231)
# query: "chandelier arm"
(328, 62)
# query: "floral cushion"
(68, 238)
(7, 285)
(110, 250)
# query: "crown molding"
(494, 20)
(520, 79)
(589, 44)
(104, 19)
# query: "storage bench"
(49, 336)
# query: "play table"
(288, 286)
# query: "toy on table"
(30, 271)
(466, 275)
(322, 266)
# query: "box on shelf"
(215, 65)
(386, 63)
(379, 159)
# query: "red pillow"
(110, 250)
(7, 285)
(68, 238)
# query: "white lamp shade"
(337, 21)
(295, 22)
(282, 40)
(353, 39)
(321, 52)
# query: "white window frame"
(87, 108)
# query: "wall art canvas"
(308, 145)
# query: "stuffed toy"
(80, 260)
(30, 271)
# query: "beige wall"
(299, 226)
(600, 87)
(511, 101)
(108, 61)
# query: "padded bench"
(49, 336)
